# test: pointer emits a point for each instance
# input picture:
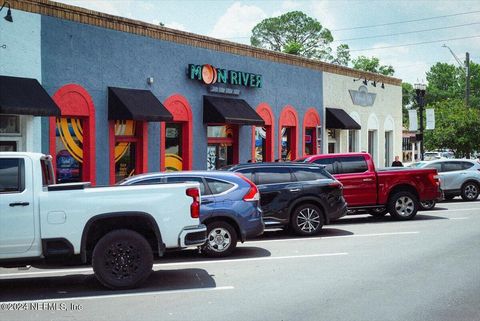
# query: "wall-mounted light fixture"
(8, 17)
(150, 80)
(365, 81)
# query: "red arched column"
(179, 107)
(311, 120)
(288, 118)
(265, 111)
(75, 102)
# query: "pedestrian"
(397, 162)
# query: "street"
(360, 268)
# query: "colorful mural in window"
(69, 150)
(125, 149)
(173, 147)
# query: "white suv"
(459, 177)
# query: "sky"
(385, 27)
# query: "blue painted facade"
(96, 58)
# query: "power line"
(408, 32)
(406, 21)
(414, 44)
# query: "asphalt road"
(360, 268)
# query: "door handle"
(295, 190)
(19, 204)
(368, 179)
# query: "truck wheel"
(427, 205)
(403, 206)
(307, 219)
(221, 239)
(469, 191)
(122, 259)
(378, 212)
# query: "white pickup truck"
(118, 230)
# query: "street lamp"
(420, 91)
(8, 17)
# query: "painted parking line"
(123, 295)
(63, 272)
(334, 237)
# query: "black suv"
(301, 196)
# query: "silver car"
(458, 177)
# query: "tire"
(221, 239)
(122, 259)
(378, 212)
(403, 206)
(306, 220)
(427, 205)
(469, 191)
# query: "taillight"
(195, 206)
(253, 194)
(435, 179)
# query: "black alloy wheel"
(122, 259)
(306, 220)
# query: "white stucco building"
(375, 108)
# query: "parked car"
(119, 230)
(301, 196)
(459, 177)
(230, 206)
(438, 155)
(395, 190)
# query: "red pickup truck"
(396, 190)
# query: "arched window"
(72, 136)
(176, 140)
(262, 137)
(287, 134)
(311, 121)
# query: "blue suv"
(230, 206)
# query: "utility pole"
(466, 70)
(467, 91)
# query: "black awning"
(339, 119)
(221, 110)
(135, 104)
(25, 96)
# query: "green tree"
(446, 81)
(373, 65)
(296, 33)
(457, 127)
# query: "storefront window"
(286, 143)
(68, 150)
(310, 141)
(126, 164)
(260, 144)
(125, 149)
(173, 147)
(222, 146)
(9, 124)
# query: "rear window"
(452, 166)
(329, 164)
(273, 175)
(150, 181)
(355, 164)
(47, 172)
(218, 187)
(309, 174)
(12, 175)
(467, 165)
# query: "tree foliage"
(446, 81)
(373, 65)
(457, 127)
(296, 33)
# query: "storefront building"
(130, 97)
(363, 112)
